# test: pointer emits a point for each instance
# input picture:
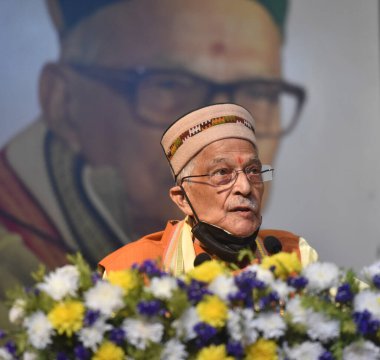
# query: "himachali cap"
(197, 129)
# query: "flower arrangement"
(272, 310)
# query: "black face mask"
(218, 241)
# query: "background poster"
(327, 177)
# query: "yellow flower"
(207, 271)
(109, 351)
(214, 352)
(212, 310)
(285, 264)
(67, 317)
(126, 279)
(262, 350)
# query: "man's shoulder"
(149, 247)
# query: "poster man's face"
(221, 41)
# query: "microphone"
(272, 245)
(201, 258)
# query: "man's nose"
(242, 184)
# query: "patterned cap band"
(194, 131)
(207, 124)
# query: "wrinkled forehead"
(174, 33)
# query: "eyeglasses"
(160, 96)
(227, 176)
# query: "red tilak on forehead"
(239, 160)
(218, 48)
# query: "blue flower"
(196, 290)
(326, 356)
(298, 282)
(376, 281)
(11, 347)
(205, 333)
(117, 336)
(365, 324)
(81, 353)
(149, 307)
(235, 348)
(90, 317)
(62, 356)
(3, 334)
(344, 294)
(149, 267)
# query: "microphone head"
(201, 258)
(272, 245)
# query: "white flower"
(39, 330)
(282, 289)
(264, 275)
(184, 326)
(321, 276)
(104, 297)
(92, 336)
(17, 311)
(271, 325)
(305, 351)
(5, 355)
(139, 333)
(370, 301)
(320, 327)
(234, 324)
(174, 350)
(223, 286)
(298, 313)
(29, 356)
(60, 283)
(163, 287)
(370, 271)
(250, 333)
(361, 350)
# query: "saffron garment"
(175, 249)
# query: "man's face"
(219, 40)
(234, 207)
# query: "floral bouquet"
(272, 310)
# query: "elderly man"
(80, 178)
(213, 155)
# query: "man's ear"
(178, 197)
(55, 101)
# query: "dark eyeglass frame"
(126, 81)
(234, 173)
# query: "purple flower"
(90, 317)
(205, 333)
(11, 347)
(117, 336)
(196, 291)
(95, 277)
(266, 300)
(235, 348)
(247, 281)
(376, 281)
(150, 268)
(326, 356)
(62, 356)
(81, 353)
(3, 334)
(344, 293)
(149, 307)
(365, 324)
(298, 282)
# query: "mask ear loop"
(189, 202)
